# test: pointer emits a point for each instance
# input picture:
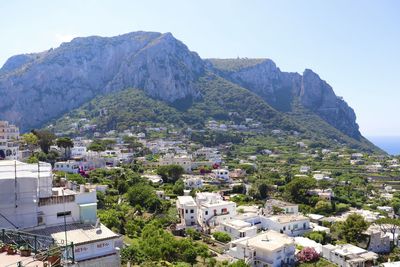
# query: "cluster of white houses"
(266, 237)
(30, 203)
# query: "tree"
(132, 143)
(307, 254)
(297, 189)
(170, 173)
(31, 141)
(323, 207)
(145, 196)
(132, 253)
(96, 147)
(178, 187)
(67, 144)
(193, 234)
(389, 225)
(260, 189)
(46, 139)
(352, 228)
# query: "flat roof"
(269, 240)
(279, 203)
(186, 200)
(78, 233)
(349, 249)
(286, 218)
(237, 224)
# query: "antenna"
(97, 225)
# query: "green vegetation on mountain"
(219, 100)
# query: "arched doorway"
(2, 154)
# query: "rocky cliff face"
(282, 89)
(37, 87)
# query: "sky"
(353, 45)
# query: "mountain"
(174, 84)
(39, 87)
(282, 90)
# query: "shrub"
(222, 237)
(307, 255)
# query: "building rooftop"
(348, 249)
(269, 240)
(77, 233)
(286, 218)
(237, 224)
(186, 200)
(278, 203)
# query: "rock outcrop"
(35, 88)
(282, 89)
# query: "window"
(284, 228)
(62, 214)
(191, 211)
(186, 211)
(206, 212)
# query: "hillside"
(221, 101)
(282, 89)
(176, 85)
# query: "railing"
(41, 246)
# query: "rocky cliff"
(37, 87)
(284, 90)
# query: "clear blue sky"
(354, 45)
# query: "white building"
(9, 136)
(187, 210)
(349, 255)
(182, 160)
(193, 182)
(269, 248)
(273, 205)
(289, 224)
(238, 229)
(78, 151)
(213, 209)
(222, 174)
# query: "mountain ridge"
(41, 87)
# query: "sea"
(391, 144)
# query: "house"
(289, 224)
(269, 248)
(187, 210)
(237, 173)
(70, 166)
(238, 229)
(213, 209)
(305, 169)
(272, 206)
(348, 255)
(153, 178)
(9, 141)
(222, 174)
(192, 181)
(378, 241)
(323, 194)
